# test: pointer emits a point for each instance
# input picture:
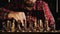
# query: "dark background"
(52, 6)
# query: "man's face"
(30, 3)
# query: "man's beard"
(29, 5)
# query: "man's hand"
(17, 16)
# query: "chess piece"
(13, 26)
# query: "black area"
(58, 16)
(3, 3)
(30, 32)
(1, 24)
